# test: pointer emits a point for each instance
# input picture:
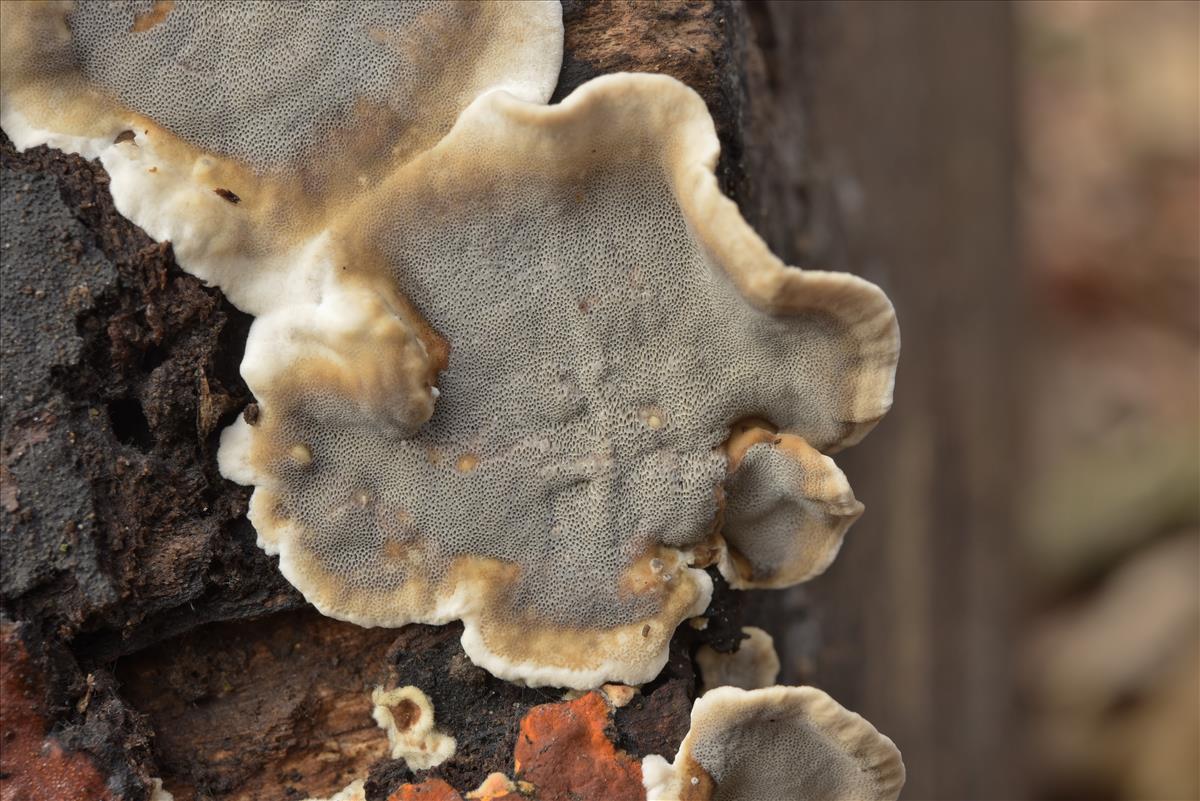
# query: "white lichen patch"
(406, 714)
(495, 379)
(752, 666)
(792, 743)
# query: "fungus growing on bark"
(354, 791)
(781, 742)
(406, 714)
(294, 109)
(787, 509)
(572, 466)
(752, 666)
(589, 312)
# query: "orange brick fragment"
(564, 750)
(33, 765)
(429, 790)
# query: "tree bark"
(893, 135)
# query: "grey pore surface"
(791, 743)
(265, 81)
(598, 359)
(772, 755)
(764, 510)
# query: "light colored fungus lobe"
(793, 743)
(752, 666)
(788, 507)
(406, 714)
(236, 130)
(496, 377)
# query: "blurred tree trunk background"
(888, 149)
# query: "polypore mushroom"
(236, 130)
(609, 316)
(589, 312)
(406, 714)
(793, 743)
(753, 665)
(787, 509)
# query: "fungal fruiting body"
(793, 743)
(754, 664)
(608, 316)
(236, 131)
(497, 364)
(354, 791)
(406, 714)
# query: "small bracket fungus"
(496, 370)
(406, 714)
(793, 743)
(787, 509)
(752, 666)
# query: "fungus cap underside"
(599, 351)
(595, 316)
(779, 742)
(236, 131)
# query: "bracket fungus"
(754, 665)
(780, 742)
(236, 131)
(406, 714)
(496, 370)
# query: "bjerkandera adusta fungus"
(496, 369)
(793, 743)
(752, 666)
